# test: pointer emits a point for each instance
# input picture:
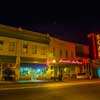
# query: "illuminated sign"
(98, 44)
(70, 62)
(65, 61)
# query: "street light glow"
(54, 61)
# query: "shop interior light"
(54, 61)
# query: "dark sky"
(69, 21)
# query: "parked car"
(81, 75)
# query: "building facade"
(27, 55)
(23, 54)
(70, 58)
(94, 45)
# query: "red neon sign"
(70, 62)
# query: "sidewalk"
(47, 81)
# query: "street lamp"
(54, 62)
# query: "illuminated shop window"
(25, 71)
(66, 71)
(1, 45)
(12, 46)
(36, 71)
(34, 49)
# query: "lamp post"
(54, 63)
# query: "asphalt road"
(53, 91)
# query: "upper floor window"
(72, 54)
(25, 47)
(79, 50)
(60, 52)
(12, 46)
(34, 49)
(54, 52)
(1, 44)
(43, 50)
(66, 52)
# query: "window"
(12, 46)
(72, 54)
(43, 50)
(25, 47)
(1, 45)
(66, 53)
(34, 49)
(25, 71)
(60, 52)
(79, 50)
(54, 52)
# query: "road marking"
(50, 85)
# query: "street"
(53, 91)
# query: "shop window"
(36, 72)
(11, 65)
(52, 67)
(12, 46)
(34, 49)
(81, 69)
(5, 65)
(66, 71)
(1, 45)
(25, 71)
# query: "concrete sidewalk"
(47, 81)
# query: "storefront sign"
(70, 62)
(98, 44)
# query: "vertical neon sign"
(98, 44)
(94, 46)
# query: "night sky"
(68, 22)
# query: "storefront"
(7, 67)
(70, 69)
(33, 71)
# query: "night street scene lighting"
(49, 51)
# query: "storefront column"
(48, 74)
(85, 65)
(88, 66)
(17, 68)
(91, 69)
(1, 72)
(55, 71)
